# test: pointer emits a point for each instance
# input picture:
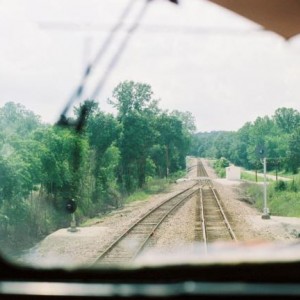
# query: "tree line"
(278, 136)
(42, 166)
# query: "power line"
(79, 91)
(119, 51)
(90, 67)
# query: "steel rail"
(224, 216)
(221, 210)
(203, 221)
(201, 169)
(127, 231)
(159, 223)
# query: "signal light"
(71, 206)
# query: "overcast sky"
(197, 57)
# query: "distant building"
(233, 173)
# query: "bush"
(282, 200)
(280, 185)
(294, 185)
(220, 165)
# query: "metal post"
(72, 227)
(266, 212)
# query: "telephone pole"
(266, 211)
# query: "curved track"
(132, 241)
(211, 222)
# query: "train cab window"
(141, 137)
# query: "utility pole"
(266, 211)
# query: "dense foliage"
(43, 166)
(220, 166)
(278, 136)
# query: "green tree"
(136, 113)
(287, 119)
(130, 97)
(137, 138)
(187, 119)
(15, 119)
(102, 130)
(61, 152)
(174, 139)
(293, 153)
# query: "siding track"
(127, 246)
(211, 222)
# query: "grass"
(139, 195)
(251, 177)
(282, 173)
(153, 186)
(283, 201)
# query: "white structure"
(233, 173)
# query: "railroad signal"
(266, 211)
(71, 206)
(261, 151)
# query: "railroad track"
(201, 172)
(211, 221)
(128, 245)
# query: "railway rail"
(201, 171)
(212, 224)
(127, 246)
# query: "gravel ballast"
(176, 234)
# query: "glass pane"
(138, 132)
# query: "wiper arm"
(90, 67)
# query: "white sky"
(196, 56)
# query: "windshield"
(145, 132)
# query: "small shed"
(233, 173)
